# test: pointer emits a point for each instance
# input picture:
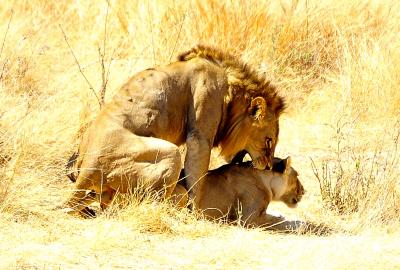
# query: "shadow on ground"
(286, 227)
(301, 227)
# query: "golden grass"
(336, 62)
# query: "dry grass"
(336, 62)
(361, 180)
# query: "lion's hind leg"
(84, 193)
(146, 163)
(122, 162)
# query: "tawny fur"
(239, 191)
(205, 99)
(236, 191)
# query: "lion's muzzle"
(262, 163)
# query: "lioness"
(240, 191)
(235, 190)
(207, 98)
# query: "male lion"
(207, 98)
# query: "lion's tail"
(71, 173)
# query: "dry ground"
(336, 62)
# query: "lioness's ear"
(288, 162)
(258, 108)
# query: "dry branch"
(151, 32)
(79, 66)
(4, 41)
(177, 38)
(104, 76)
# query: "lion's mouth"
(259, 165)
(262, 163)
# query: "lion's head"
(253, 126)
(252, 108)
(294, 190)
(263, 136)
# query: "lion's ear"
(258, 108)
(280, 105)
(288, 162)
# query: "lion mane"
(244, 82)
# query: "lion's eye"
(268, 143)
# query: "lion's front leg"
(255, 215)
(270, 222)
(196, 165)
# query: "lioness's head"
(293, 190)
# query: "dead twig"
(104, 76)
(177, 38)
(5, 35)
(4, 41)
(79, 66)
(151, 32)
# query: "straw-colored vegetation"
(336, 62)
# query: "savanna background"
(336, 62)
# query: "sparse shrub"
(361, 179)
